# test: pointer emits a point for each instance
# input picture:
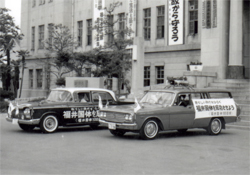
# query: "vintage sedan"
(63, 107)
(175, 108)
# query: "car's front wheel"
(118, 133)
(26, 127)
(49, 124)
(215, 126)
(149, 130)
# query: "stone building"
(168, 35)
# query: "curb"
(237, 127)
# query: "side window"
(183, 99)
(105, 96)
(196, 96)
(219, 95)
(83, 97)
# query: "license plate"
(112, 126)
(14, 121)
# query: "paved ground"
(85, 151)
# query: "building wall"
(210, 45)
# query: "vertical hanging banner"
(131, 18)
(176, 21)
(98, 32)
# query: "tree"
(23, 54)
(8, 33)
(113, 58)
(15, 75)
(60, 45)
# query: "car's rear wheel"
(49, 124)
(117, 132)
(215, 126)
(26, 127)
(149, 130)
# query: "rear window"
(219, 95)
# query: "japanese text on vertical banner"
(98, 17)
(132, 5)
(175, 22)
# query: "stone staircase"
(240, 90)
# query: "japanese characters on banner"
(205, 108)
(175, 22)
(209, 14)
(84, 114)
(131, 18)
(98, 37)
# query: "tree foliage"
(113, 58)
(60, 45)
(9, 33)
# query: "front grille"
(115, 117)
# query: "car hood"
(144, 108)
(43, 103)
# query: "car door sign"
(82, 114)
(205, 108)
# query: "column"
(137, 89)
(235, 67)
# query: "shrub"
(60, 82)
(4, 106)
(6, 94)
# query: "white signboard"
(205, 108)
(131, 19)
(98, 37)
(175, 30)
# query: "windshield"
(162, 98)
(59, 96)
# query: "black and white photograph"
(125, 87)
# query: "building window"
(147, 76)
(79, 37)
(41, 37)
(110, 28)
(33, 38)
(159, 74)
(89, 32)
(121, 17)
(147, 23)
(50, 34)
(42, 2)
(33, 3)
(160, 21)
(193, 17)
(39, 78)
(31, 78)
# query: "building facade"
(168, 35)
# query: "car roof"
(179, 90)
(75, 89)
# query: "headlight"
(27, 113)
(128, 117)
(102, 114)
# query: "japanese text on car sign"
(205, 108)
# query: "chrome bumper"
(27, 122)
(129, 126)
